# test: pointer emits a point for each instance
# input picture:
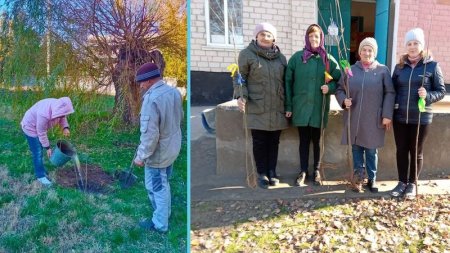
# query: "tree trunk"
(128, 98)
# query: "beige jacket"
(161, 116)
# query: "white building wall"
(290, 17)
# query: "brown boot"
(357, 182)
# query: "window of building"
(224, 22)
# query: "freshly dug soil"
(96, 181)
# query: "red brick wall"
(434, 19)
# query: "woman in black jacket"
(415, 76)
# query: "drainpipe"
(394, 35)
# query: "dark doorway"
(362, 25)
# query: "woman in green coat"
(261, 95)
(306, 86)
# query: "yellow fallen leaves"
(374, 225)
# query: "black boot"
(273, 178)
(263, 181)
(300, 181)
(373, 187)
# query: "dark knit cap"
(147, 71)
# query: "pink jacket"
(45, 114)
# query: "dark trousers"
(265, 150)
(405, 139)
(308, 135)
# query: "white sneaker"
(44, 181)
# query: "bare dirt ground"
(95, 179)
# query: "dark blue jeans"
(365, 156)
(36, 153)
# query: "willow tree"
(20, 39)
(110, 38)
(117, 36)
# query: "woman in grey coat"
(371, 104)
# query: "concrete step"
(237, 189)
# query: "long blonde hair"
(425, 54)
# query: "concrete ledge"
(231, 145)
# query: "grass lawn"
(37, 219)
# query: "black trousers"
(405, 139)
(265, 150)
(307, 135)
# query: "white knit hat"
(265, 27)
(371, 42)
(415, 34)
